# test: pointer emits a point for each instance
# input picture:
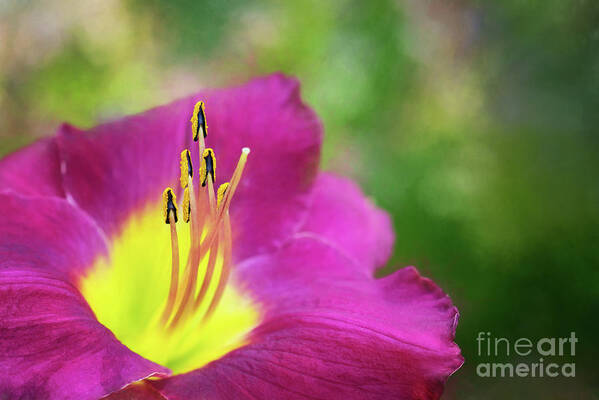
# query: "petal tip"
(68, 129)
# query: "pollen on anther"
(186, 206)
(186, 168)
(198, 121)
(169, 204)
(220, 194)
(208, 167)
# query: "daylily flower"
(111, 285)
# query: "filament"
(226, 268)
(172, 294)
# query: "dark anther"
(189, 166)
(209, 167)
(170, 206)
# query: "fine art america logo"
(546, 352)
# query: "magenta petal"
(341, 216)
(52, 346)
(332, 331)
(49, 234)
(116, 168)
(33, 170)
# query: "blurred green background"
(473, 122)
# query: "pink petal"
(332, 331)
(51, 345)
(341, 216)
(48, 234)
(33, 170)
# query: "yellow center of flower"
(187, 315)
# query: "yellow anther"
(186, 168)
(186, 205)
(198, 121)
(208, 166)
(169, 204)
(220, 194)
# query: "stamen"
(171, 211)
(208, 176)
(169, 205)
(198, 124)
(208, 167)
(198, 121)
